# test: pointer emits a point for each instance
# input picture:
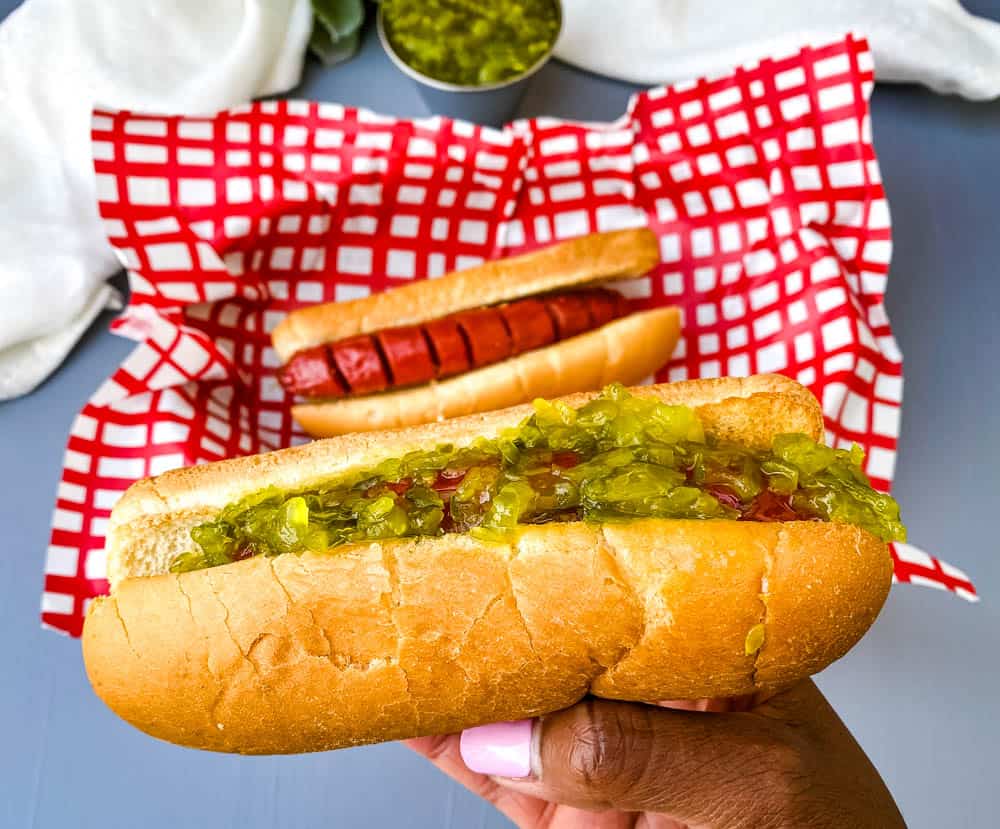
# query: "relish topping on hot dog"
(412, 354)
(614, 458)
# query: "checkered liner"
(762, 186)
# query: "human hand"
(783, 761)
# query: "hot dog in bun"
(674, 541)
(487, 337)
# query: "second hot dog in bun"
(479, 339)
(677, 541)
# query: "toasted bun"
(598, 257)
(389, 640)
(627, 350)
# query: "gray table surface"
(918, 692)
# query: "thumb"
(721, 769)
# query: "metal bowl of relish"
(471, 59)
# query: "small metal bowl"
(491, 104)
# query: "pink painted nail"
(499, 750)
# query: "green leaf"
(329, 52)
(341, 17)
(336, 31)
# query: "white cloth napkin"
(933, 42)
(57, 59)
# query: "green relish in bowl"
(469, 43)
(616, 458)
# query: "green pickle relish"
(470, 43)
(615, 458)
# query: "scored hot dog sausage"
(529, 323)
(447, 346)
(622, 306)
(360, 365)
(312, 374)
(486, 335)
(407, 355)
(570, 313)
(603, 307)
(412, 354)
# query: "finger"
(601, 755)
(566, 817)
(445, 753)
(716, 706)
(505, 748)
(524, 810)
(719, 704)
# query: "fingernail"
(499, 750)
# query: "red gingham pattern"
(762, 186)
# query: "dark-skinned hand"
(785, 761)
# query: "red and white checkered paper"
(762, 186)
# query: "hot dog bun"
(598, 257)
(389, 640)
(389, 381)
(627, 350)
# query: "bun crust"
(405, 638)
(627, 351)
(387, 640)
(597, 257)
